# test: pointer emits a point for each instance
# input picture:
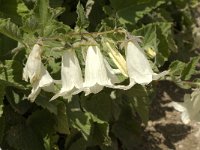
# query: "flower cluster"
(97, 74)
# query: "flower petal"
(111, 73)
(138, 66)
(71, 74)
(95, 70)
(33, 65)
(36, 72)
(190, 107)
(117, 58)
(45, 83)
(34, 92)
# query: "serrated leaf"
(93, 129)
(127, 129)
(99, 132)
(78, 119)
(132, 13)
(88, 6)
(157, 37)
(150, 37)
(82, 21)
(10, 29)
(11, 73)
(140, 102)
(8, 9)
(81, 122)
(56, 11)
(30, 23)
(22, 9)
(176, 67)
(189, 69)
(56, 29)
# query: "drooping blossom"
(138, 66)
(35, 71)
(98, 73)
(71, 75)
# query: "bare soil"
(165, 131)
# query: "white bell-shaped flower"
(71, 75)
(98, 72)
(190, 108)
(36, 72)
(45, 82)
(139, 68)
(32, 68)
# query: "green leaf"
(140, 101)
(99, 133)
(10, 29)
(42, 122)
(30, 23)
(176, 68)
(132, 13)
(150, 37)
(56, 29)
(6, 46)
(104, 109)
(82, 21)
(43, 101)
(81, 122)
(78, 119)
(11, 73)
(157, 37)
(79, 144)
(127, 129)
(184, 70)
(190, 68)
(22, 137)
(8, 9)
(22, 9)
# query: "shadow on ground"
(165, 128)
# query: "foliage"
(110, 119)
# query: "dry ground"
(165, 131)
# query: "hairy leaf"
(10, 29)
(82, 20)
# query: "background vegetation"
(100, 121)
